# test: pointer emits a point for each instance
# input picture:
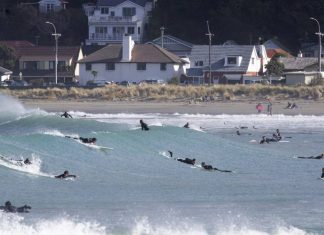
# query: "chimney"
(128, 45)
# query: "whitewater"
(128, 184)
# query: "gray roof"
(4, 71)
(112, 3)
(195, 72)
(218, 55)
(298, 63)
(141, 53)
(174, 45)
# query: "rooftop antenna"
(210, 35)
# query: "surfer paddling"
(65, 175)
(186, 160)
(210, 167)
(10, 208)
(84, 140)
(321, 156)
(66, 115)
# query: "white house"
(109, 20)
(48, 6)
(131, 62)
(4, 74)
(229, 63)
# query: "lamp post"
(56, 36)
(319, 44)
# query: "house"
(4, 74)
(175, 45)
(229, 63)
(49, 6)
(38, 63)
(131, 62)
(311, 49)
(300, 70)
(109, 20)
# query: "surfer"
(321, 156)
(278, 135)
(66, 115)
(65, 175)
(238, 133)
(264, 140)
(171, 153)
(10, 208)
(210, 167)
(187, 125)
(27, 162)
(322, 176)
(84, 140)
(144, 126)
(187, 161)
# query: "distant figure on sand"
(210, 167)
(321, 156)
(187, 125)
(66, 115)
(65, 175)
(259, 107)
(10, 208)
(269, 107)
(144, 126)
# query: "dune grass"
(172, 92)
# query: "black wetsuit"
(13, 209)
(144, 126)
(66, 115)
(87, 140)
(186, 126)
(187, 160)
(312, 157)
(63, 176)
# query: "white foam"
(15, 163)
(11, 224)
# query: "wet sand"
(237, 107)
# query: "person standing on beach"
(269, 107)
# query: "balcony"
(101, 37)
(113, 19)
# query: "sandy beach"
(237, 107)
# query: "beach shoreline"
(213, 108)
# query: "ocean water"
(136, 189)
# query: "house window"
(50, 7)
(61, 65)
(101, 30)
(104, 10)
(30, 65)
(163, 66)
(139, 30)
(199, 63)
(231, 60)
(141, 66)
(112, 13)
(130, 30)
(252, 60)
(88, 67)
(110, 66)
(51, 65)
(129, 11)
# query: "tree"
(8, 57)
(274, 67)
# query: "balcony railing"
(109, 37)
(113, 19)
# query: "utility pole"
(210, 35)
(162, 36)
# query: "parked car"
(124, 83)
(17, 83)
(153, 81)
